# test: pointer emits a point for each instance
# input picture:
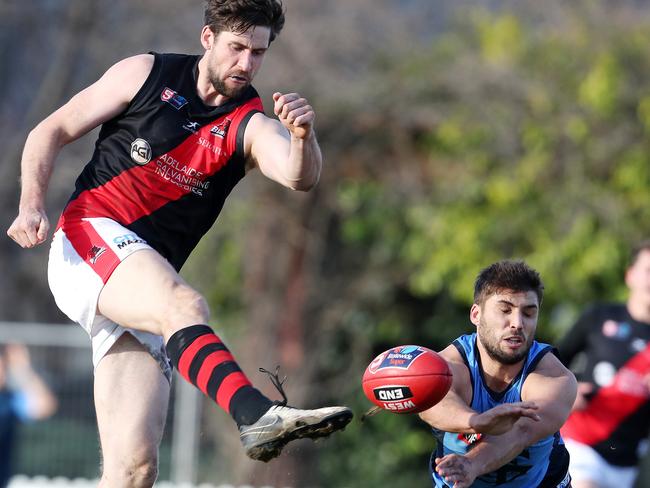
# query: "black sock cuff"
(247, 405)
(181, 339)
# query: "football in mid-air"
(407, 379)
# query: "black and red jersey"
(615, 352)
(164, 167)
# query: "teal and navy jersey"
(544, 464)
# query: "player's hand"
(500, 419)
(295, 113)
(585, 389)
(30, 228)
(458, 471)
(17, 357)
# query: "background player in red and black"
(611, 417)
(177, 134)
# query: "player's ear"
(475, 314)
(629, 277)
(207, 37)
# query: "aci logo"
(140, 151)
(174, 99)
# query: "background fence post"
(185, 435)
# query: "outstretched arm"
(286, 150)
(88, 109)
(553, 388)
(453, 413)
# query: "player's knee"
(188, 307)
(145, 474)
(136, 473)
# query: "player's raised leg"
(146, 293)
(131, 398)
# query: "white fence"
(42, 482)
(61, 353)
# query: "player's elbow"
(303, 184)
(49, 130)
(571, 391)
(530, 431)
(424, 418)
(304, 187)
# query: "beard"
(491, 344)
(225, 90)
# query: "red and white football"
(407, 379)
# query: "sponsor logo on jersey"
(182, 175)
(174, 99)
(604, 373)
(565, 482)
(617, 330)
(94, 253)
(220, 129)
(213, 148)
(469, 439)
(140, 151)
(392, 393)
(632, 382)
(193, 127)
(127, 240)
(398, 357)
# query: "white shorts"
(83, 255)
(586, 464)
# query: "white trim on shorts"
(586, 464)
(82, 257)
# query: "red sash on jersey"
(612, 404)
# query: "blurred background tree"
(454, 135)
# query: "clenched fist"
(295, 113)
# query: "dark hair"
(240, 15)
(507, 275)
(638, 249)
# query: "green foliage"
(543, 157)
(506, 138)
(216, 267)
(536, 148)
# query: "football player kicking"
(499, 424)
(178, 133)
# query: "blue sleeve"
(20, 406)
